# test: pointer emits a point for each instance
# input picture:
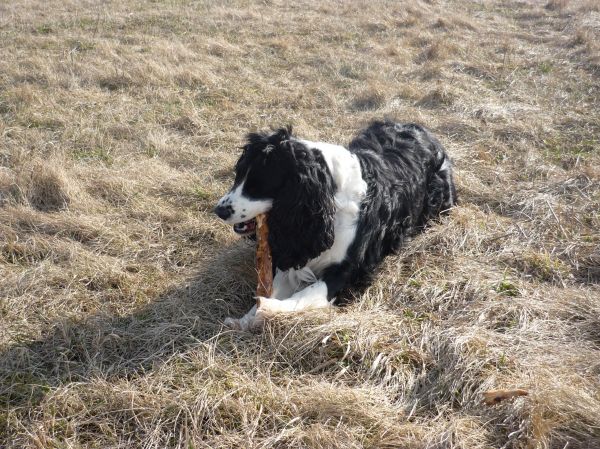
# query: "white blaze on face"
(243, 208)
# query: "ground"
(120, 122)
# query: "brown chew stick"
(264, 263)
(496, 396)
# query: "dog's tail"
(441, 192)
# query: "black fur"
(303, 209)
(401, 165)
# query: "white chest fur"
(351, 190)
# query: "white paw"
(233, 323)
(245, 324)
(267, 306)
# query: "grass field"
(120, 122)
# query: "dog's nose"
(223, 212)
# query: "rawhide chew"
(264, 263)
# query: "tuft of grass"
(200, 193)
(557, 5)
(369, 99)
(545, 67)
(507, 288)
(438, 51)
(544, 266)
(437, 98)
(44, 29)
(81, 45)
(568, 149)
(115, 82)
(51, 124)
(47, 188)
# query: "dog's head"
(278, 174)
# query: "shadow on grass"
(116, 347)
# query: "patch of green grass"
(44, 29)
(545, 67)
(544, 266)
(412, 282)
(152, 151)
(415, 315)
(559, 149)
(24, 389)
(502, 361)
(99, 154)
(201, 194)
(43, 123)
(506, 288)
(206, 99)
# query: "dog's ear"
(302, 218)
(282, 134)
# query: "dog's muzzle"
(245, 228)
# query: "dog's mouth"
(245, 227)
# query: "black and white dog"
(334, 212)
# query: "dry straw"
(119, 126)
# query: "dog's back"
(409, 152)
(409, 178)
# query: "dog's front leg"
(282, 287)
(312, 297)
(245, 323)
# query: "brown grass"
(119, 126)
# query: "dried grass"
(47, 188)
(119, 127)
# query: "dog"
(334, 213)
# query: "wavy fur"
(303, 208)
